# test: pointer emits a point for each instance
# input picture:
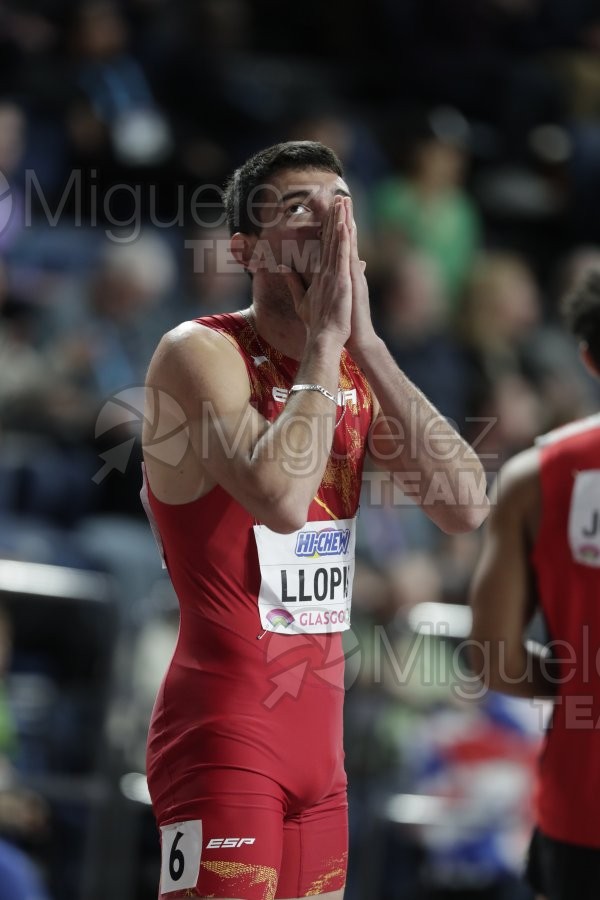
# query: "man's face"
(291, 210)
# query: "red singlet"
(566, 558)
(246, 733)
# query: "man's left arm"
(409, 437)
(430, 461)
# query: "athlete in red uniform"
(256, 517)
(543, 548)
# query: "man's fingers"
(327, 232)
(330, 235)
(353, 231)
(342, 265)
(355, 262)
(363, 265)
(349, 216)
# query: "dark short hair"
(581, 308)
(243, 188)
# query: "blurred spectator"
(509, 415)
(573, 268)
(428, 206)
(101, 339)
(60, 359)
(23, 373)
(115, 84)
(23, 815)
(34, 397)
(476, 55)
(501, 309)
(210, 87)
(573, 39)
(514, 353)
(413, 314)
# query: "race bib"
(181, 850)
(584, 518)
(306, 577)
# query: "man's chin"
(305, 276)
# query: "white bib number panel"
(181, 851)
(306, 577)
(584, 518)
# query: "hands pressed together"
(337, 300)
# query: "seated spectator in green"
(429, 208)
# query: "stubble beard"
(278, 300)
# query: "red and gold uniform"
(245, 755)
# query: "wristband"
(313, 387)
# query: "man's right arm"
(273, 470)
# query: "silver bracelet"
(313, 387)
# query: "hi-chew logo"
(328, 542)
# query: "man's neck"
(285, 333)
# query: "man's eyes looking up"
(297, 209)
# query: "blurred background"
(470, 134)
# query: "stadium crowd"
(470, 133)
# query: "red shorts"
(248, 840)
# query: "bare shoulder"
(193, 342)
(194, 368)
(194, 360)
(516, 492)
(518, 474)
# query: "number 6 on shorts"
(181, 850)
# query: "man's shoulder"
(570, 431)
(518, 479)
(191, 331)
(192, 337)
(515, 497)
(193, 355)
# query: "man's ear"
(588, 360)
(242, 250)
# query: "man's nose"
(322, 209)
